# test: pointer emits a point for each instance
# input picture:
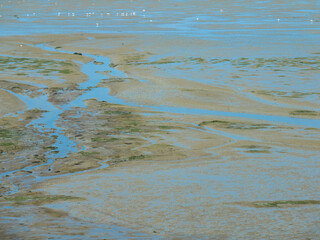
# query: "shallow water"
(65, 145)
(266, 30)
(175, 17)
(92, 71)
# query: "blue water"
(241, 29)
(48, 120)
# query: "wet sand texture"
(159, 120)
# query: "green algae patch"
(198, 60)
(6, 144)
(276, 64)
(36, 110)
(255, 149)
(111, 135)
(88, 154)
(136, 157)
(162, 61)
(134, 130)
(128, 129)
(140, 60)
(5, 133)
(116, 113)
(305, 63)
(100, 139)
(304, 113)
(65, 71)
(284, 203)
(10, 147)
(161, 149)
(33, 114)
(282, 94)
(9, 140)
(37, 199)
(116, 79)
(131, 158)
(133, 59)
(25, 66)
(234, 125)
(166, 127)
(212, 122)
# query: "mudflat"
(171, 120)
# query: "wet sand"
(108, 135)
(9, 103)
